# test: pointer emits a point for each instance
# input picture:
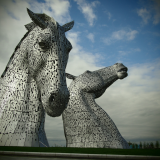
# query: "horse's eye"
(42, 44)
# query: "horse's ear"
(37, 20)
(30, 26)
(68, 26)
(69, 76)
(87, 71)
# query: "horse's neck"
(20, 93)
(87, 104)
(96, 111)
(89, 100)
(14, 83)
(81, 101)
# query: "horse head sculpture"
(34, 82)
(86, 124)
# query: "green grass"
(149, 152)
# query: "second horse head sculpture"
(86, 124)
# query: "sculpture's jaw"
(55, 103)
(122, 72)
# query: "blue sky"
(105, 32)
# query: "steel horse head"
(86, 124)
(34, 82)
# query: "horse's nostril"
(51, 98)
(42, 44)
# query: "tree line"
(135, 145)
(144, 145)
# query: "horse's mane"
(18, 45)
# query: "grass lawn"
(149, 152)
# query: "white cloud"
(120, 35)
(78, 57)
(107, 41)
(87, 10)
(132, 50)
(13, 17)
(90, 36)
(122, 53)
(108, 14)
(80, 24)
(131, 35)
(151, 13)
(58, 9)
(95, 3)
(137, 49)
(104, 25)
(144, 14)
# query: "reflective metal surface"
(86, 124)
(34, 82)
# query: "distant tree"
(151, 145)
(147, 145)
(133, 145)
(140, 145)
(157, 144)
(136, 146)
(144, 145)
(154, 145)
(129, 143)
